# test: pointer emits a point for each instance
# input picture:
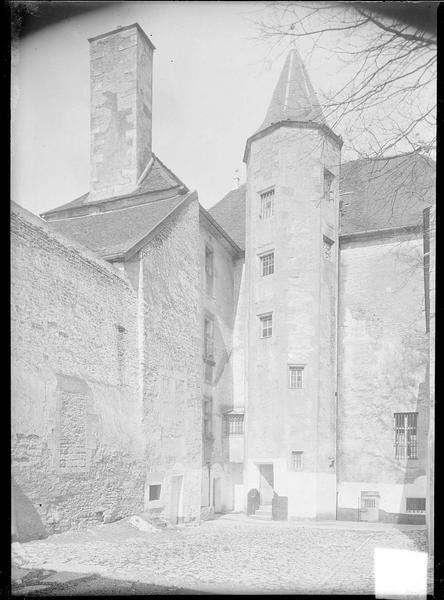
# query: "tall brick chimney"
(121, 101)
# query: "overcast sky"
(212, 85)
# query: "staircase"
(263, 513)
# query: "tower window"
(267, 264)
(295, 377)
(327, 246)
(266, 325)
(267, 204)
(209, 339)
(297, 460)
(209, 269)
(405, 426)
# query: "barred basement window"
(405, 426)
(295, 380)
(266, 325)
(297, 460)
(209, 339)
(234, 424)
(154, 492)
(415, 505)
(267, 204)
(267, 264)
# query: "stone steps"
(263, 512)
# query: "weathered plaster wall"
(302, 296)
(77, 449)
(172, 364)
(121, 102)
(382, 368)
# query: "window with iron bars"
(267, 204)
(266, 325)
(405, 426)
(209, 339)
(234, 424)
(267, 264)
(415, 505)
(297, 460)
(295, 380)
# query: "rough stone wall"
(172, 396)
(77, 449)
(382, 368)
(121, 90)
(301, 294)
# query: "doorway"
(266, 483)
(175, 498)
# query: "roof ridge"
(242, 185)
(390, 157)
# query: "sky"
(213, 80)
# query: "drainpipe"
(209, 483)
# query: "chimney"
(121, 63)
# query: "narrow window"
(209, 270)
(154, 492)
(327, 246)
(267, 264)
(207, 417)
(266, 325)
(415, 505)
(405, 426)
(328, 185)
(297, 460)
(234, 424)
(208, 373)
(267, 204)
(209, 339)
(295, 377)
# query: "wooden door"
(266, 483)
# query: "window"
(295, 380)
(266, 325)
(234, 424)
(368, 502)
(327, 247)
(415, 505)
(209, 269)
(328, 184)
(405, 435)
(267, 264)
(154, 492)
(208, 373)
(207, 417)
(297, 460)
(267, 204)
(209, 339)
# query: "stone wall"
(77, 449)
(382, 368)
(169, 283)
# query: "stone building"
(167, 358)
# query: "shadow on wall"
(26, 521)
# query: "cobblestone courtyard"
(232, 554)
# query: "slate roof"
(230, 214)
(375, 194)
(294, 98)
(115, 232)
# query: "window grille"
(369, 503)
(405, 427)
(267, 264)
(297, 460)
(295, 377)
(267, 204)
(415, 505)
(266, 326)
(234, 424)
(327, 247)
(209, 339)
(209, 269)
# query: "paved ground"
(231, 554)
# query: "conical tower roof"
(294, 98)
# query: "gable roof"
(375, 194)
(114, 233)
